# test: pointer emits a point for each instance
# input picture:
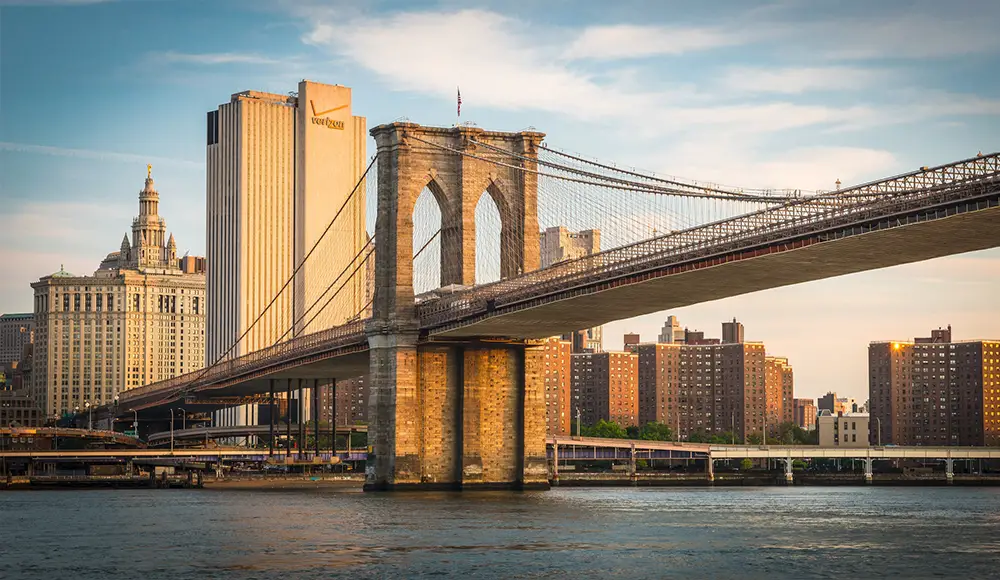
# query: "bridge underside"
(708, 279)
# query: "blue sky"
(784, 94)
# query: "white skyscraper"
(279, 168)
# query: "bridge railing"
(323, 340)
(799, 216)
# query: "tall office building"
(672, 332)
(139, 319)
(933, 391)
(280, 167)
(559, 408)
(16, 330)
(605, 387)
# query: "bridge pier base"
(710, 464)
(468, 416)
(949, 467)
(789, 477)
(869, 477)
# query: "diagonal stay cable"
(291, 278)
(640, 189)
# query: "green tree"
(755, 439)
(746, 464)
(632, 431)
(607, 430)
(698, 437)
(656, 431)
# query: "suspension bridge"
(447, 295)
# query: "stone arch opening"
(427, 220)
(489, 246)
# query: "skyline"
(738, 97)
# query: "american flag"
(459, 102)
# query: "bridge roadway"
(200, 433)
(569, 448)
(940, 211)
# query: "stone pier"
(458, 417)
(469, 413)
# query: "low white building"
(842, 429)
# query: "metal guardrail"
(914, 191)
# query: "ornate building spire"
(149, 246)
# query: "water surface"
(840, 532)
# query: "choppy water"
(844, 533)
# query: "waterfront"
(563, 533)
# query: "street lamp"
(879, 422)
(733, 428)
(135, 423)
(578, 421)
(76, 411)
(171, 430)
(183, 418)
(90, 416)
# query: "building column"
(788, 470)
(710, 464)
(869, 477)
(949, 473)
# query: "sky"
(788, 94)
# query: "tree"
(632, 431)
(607, 430)
(746, 464)
(656, 431)
(755, 439)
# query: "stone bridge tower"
(455, 414)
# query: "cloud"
(801, 79)
(924, 30)
(218, 58)
(510, 70)
(805, 168)
(99, 155)
(635, 41)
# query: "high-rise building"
(672, 332)
(659, 383)
(16, 330)
(779, 386)
(280, 167)
(805, 414)
(559, 409)
(559, 244)
(700, 386)
(139, 319)
(605, 387)
(732, 332)
(933, 391)
(352, 402)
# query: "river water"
(798, 532)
